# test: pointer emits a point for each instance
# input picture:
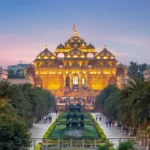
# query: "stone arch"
(60, 55)
(90, 55)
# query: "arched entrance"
(68, 82)
(75, 81)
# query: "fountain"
(74, 120)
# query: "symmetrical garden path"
(40, 128)
(114, 133)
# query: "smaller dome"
(46, 54)
(90, 46)
(60, 46)
(105, 54)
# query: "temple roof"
(75, 42)
(90, 46)
(46, 54)
(105, 54)
(60, 46)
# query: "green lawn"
(61, 132)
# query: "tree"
(14, 133)
(4, 88)
(133, 69)
(5, 107)
(127, 145)
(108, 101)
(136, 70)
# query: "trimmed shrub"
(38, 147)
(127, 145)
(98, 129)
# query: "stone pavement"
(40, 128)
(112, 133)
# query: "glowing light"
(75, 56)
(53, 57)
(45, 57)
(112, 57)
(105, 57)
(46, 46)
(39, 57)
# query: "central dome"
(75, 42)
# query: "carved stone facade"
(75, 69)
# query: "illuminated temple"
(74, 65)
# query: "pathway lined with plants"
(40, 128)
(113, 133)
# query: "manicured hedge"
(38, 147)
(59, 116)
(98, 129)
(52, 127)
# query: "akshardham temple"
(75, 65)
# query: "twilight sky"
(26, 26)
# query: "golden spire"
(75, 31)
(46, 46)
(105, 46)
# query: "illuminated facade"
(80, 67)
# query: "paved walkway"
(40, 128)
(114, 133)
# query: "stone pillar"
(83, 144)
(80, 78)
(95, 144)
(86, 80)
(71, 144)
(46, 145)
(34, 145)
(70, 80)
(64, 76)
(58, 143)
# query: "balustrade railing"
(84, 144)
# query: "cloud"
(116, 53)
(131, 40)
